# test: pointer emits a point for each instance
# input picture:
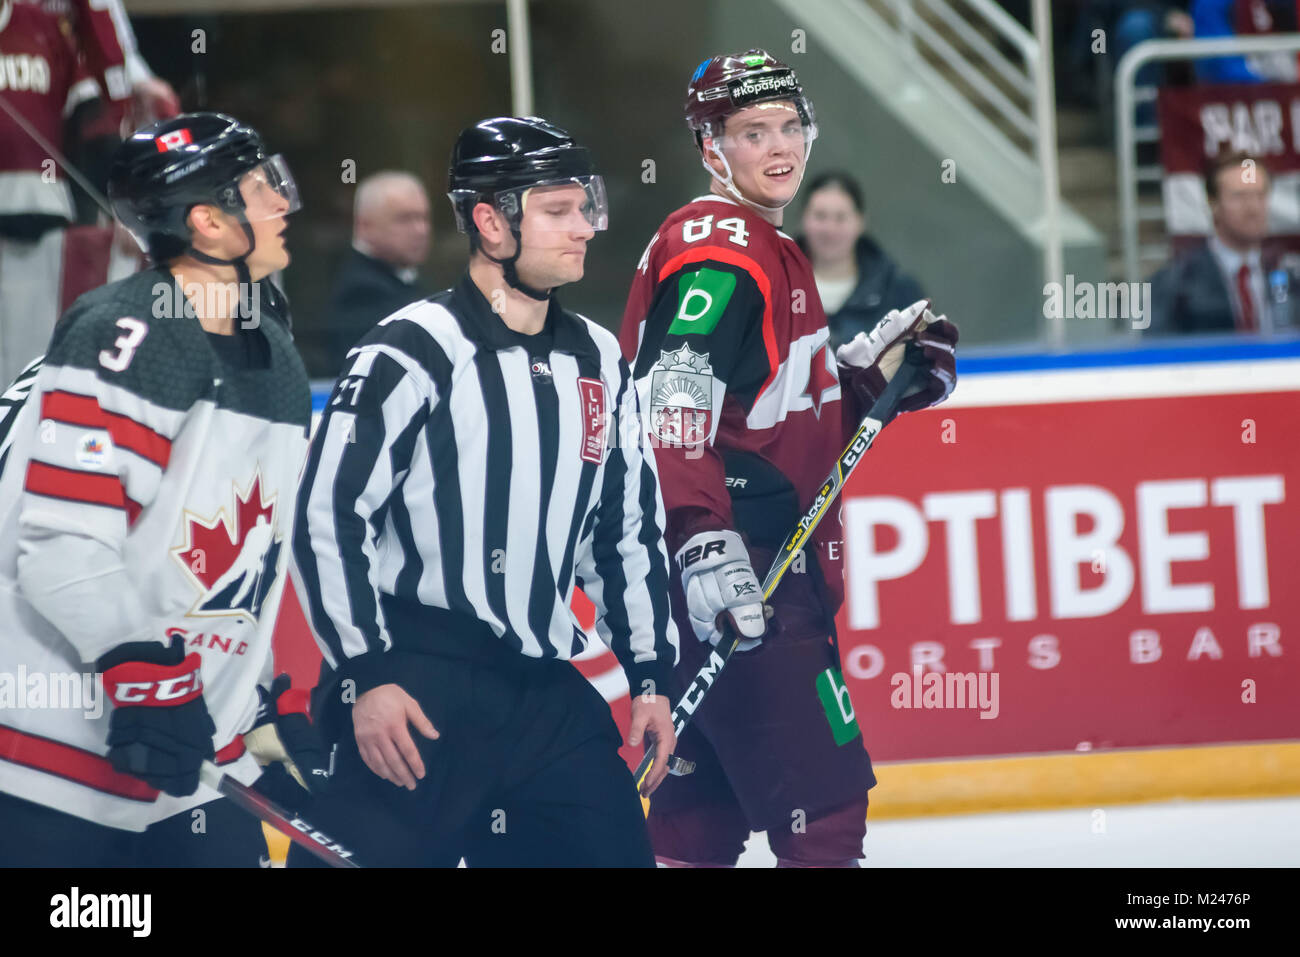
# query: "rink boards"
(1073, 583)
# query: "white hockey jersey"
(148, 493)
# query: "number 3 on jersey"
(693, 230)
(126, 345)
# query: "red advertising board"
(1122, 573)
(1128, 569)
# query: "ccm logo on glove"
(145, 683)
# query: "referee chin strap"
(507, 265)
(242, 275)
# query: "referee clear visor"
(269, 190)
(573, 205)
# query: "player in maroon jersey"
(729, 345)
(57, 56)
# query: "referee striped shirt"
(461, 467)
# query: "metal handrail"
(975, 40)
(1037, 122)
(1018, 118)
(975, 66)
(1126, 129)
(1008, 26)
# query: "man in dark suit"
(378, 276)
(1230, 283)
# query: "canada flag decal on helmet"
(173, 140)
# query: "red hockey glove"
(160, 730)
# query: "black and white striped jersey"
(11, 403)
(462, 467)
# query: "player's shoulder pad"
(124, 333)
(713, 228)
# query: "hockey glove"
(718, 580)
(869, 360)
(160, 730)
(283, 737)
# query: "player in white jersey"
(146, 505)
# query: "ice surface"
(1263, 832)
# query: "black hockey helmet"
(163, 170)
(498, 161)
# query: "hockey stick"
(883, 408)
(290, 825)
(73, 174)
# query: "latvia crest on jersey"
(233, 559)
(681, 398)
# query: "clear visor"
(571, 205)
(766, 128)
(269, 190)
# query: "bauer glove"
(718, 580)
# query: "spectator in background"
(1230, 283)
(53, 66)
(1227, 18)
(857, 281)
(379, 275)
(1084, 70)
(1138, 22)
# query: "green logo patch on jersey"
(834, 695)
(702, 298)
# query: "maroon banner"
(1199, 122)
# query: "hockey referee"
(480, 456)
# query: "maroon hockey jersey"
(729, 347)
(47, 65)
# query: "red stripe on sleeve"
(71, 763)
(85, 767)
(74, 485)
(74, 409)
(732, 258)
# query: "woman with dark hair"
(857, 282)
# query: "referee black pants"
(526, 772)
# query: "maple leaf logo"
(233, 563)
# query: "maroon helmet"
(724, 84)
(728, 83)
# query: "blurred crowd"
(1236, 280)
